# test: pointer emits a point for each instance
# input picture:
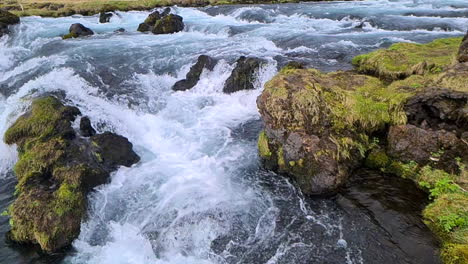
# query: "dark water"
(199, 194)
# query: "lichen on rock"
(55, 171)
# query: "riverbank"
(60, 8)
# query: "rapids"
(199, 194)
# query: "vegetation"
(57, 8)
(404, 59)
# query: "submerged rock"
(7, 19)
(244, 75)
(104, 17)
(55, 172)
(162, 23)
(193, 76)
(78, 30)
(463, 51)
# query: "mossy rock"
(404, 59)
(8, 18)
(322, 122)
(55, 172)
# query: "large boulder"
(317, 124)
(104, 17)
(463, 50)
(162, 23)
(244, 75)
(193, 76)
(7, 19)
(55, 172)
(78, 30)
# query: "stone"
(78, 30)
(193, 76)
(244, 75)
(104, 17)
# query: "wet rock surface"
(243, 76)
(104, 17)
(78, 30)
(393, 205)
(193, 76)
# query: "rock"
(166, 11)
(408, 143)
(105, 17)
(316, 124)
(162, 23)
(85, 127)
(78, 30)
(439, 109)
(120, 30)
(7, 19)
(243, 76)
(168, 24)
(193, 76)
(55, 171)
(114, 150)
(463, 51)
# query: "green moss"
(68, 198)
(454, 253)
(281, 162)
(377, 159)
(263, 147)
(403, 59)
(46, 115)
(69, 36)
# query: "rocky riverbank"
(402, 111)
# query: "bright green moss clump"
(263, 147)
(404, 59)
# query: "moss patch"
(404, 59)
(263, 148)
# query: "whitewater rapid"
(199, 195)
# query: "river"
(199, 194)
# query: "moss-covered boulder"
(7, 19)
(317, 125)
(168, 24)
(55, 171)
(404, 59)
(162, 23)
(244, 75)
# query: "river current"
(199, 194)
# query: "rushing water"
(199, 194)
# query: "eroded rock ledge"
(403, 112)
(56, 169)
